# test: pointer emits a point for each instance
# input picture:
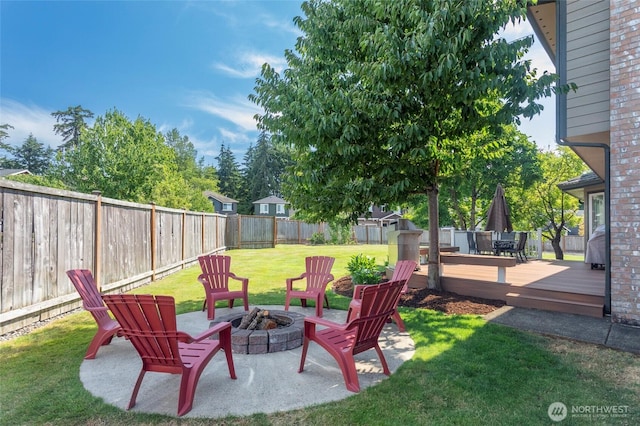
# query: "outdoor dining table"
(500, 245)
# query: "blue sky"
(188, 65)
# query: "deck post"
(502, 274)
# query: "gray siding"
(588, 66)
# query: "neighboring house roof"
(584, 180)
(13, 172)
(272, 199)
(576, 185)
(219, 197)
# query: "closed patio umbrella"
(498, 218)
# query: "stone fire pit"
(288, 334)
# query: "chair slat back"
(378, 304)
(484, 242)
(149, 322)
(82, 280)
(508, 236)
(318, 271)
(403, 271)
(215, 270)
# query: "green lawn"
(464, 372)
(578, 257)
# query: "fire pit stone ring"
(264, 341)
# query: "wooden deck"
(563, 286)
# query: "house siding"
(625, 161)
(588, 67)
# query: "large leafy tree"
(124, 160)
(70, 123)
(549, 207)
(379, 98)
(198, 178)
(513, 163)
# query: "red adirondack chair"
(402, 272)
(216, 271)
(343, 341)
(84, 283)
(318, 275)
(149, 322)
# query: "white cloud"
(234, 137)
(238, 110)
(28, 119)
(249, 64)
(208, 149)
(184, 126)
(517, 30)
(286, 26)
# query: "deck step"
(556, 305)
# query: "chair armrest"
(357, 291)
(95, 308)
(291, 280)
(221, 327)
(325, 322)
(245, 281)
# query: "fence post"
(97, 251)
(184, 234)
(202, 237)
(275, 231)
(153, 241)
(239, 231)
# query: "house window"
(596, 211)
(264, 208)
(279, 208)
(226, 207)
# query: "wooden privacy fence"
(44, 232)
(268, 231)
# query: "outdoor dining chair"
(484, 242)
(519, 249)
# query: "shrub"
(363, 270)
(317, 238)
(340, 233)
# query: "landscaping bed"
(450, 303)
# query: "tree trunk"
(453, 196)
(555, 243)
(433, 272)
(474, 201)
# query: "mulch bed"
(449, 303)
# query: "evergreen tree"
(230, 178)
(70, 123)
(31, 155)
